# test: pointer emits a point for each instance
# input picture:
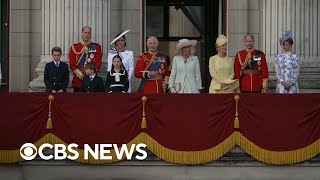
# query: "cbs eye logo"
(28, 151)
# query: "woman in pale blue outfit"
(185, 74)
(287, 66)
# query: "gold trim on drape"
(275, 157)
(188, 157)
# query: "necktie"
(57, 65)
(91, 78)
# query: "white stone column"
(62, 21)
(237, 24)
(130, 14)
(20, 47)
(302, 17)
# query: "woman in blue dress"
(287, 66)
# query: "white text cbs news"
(29, 151)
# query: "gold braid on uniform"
(78, 72)
(85, 48)
(149, 63)
(265, 84)
(243, 65)
(76, 52)
(147, 60)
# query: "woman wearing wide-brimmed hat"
(287, 66)
(185, 74)
(222, 69)
(119, 48)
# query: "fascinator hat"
(221, 40)
(286, 36)
(184, 43)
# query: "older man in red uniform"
(152, 68)
(81, 54)
(250, 68)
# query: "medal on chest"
(90, 58)
(161, 69)
(257, 58)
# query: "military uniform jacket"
(148, 62)
(251, 69)
(80, 55)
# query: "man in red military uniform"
(251, 69)
(81, 54)
(152, 68)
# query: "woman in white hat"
(185, 74)
(126, 55)
(287, 66)
(221, 69)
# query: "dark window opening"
(172, 20)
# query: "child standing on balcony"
(117, 77)
(92, 82)
(56, 73)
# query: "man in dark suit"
(56, 73)
(92, 82)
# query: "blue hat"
(287, 35)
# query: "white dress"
(287, 68)
(187, 74)
(127, 60)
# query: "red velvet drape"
(273, 122)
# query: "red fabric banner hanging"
(187, 129)
(197, 122)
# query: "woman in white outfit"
(185, 74)
(126, 56)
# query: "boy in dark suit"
(92, 82)
(56, 73)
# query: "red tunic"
(147, 63)
(81, 54)
(251, 70)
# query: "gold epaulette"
(265, 83)
(144, 53)
(84, 49)
(148, 60)
(244, 64)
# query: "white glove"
(172, 90)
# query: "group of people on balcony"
(247, 73)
